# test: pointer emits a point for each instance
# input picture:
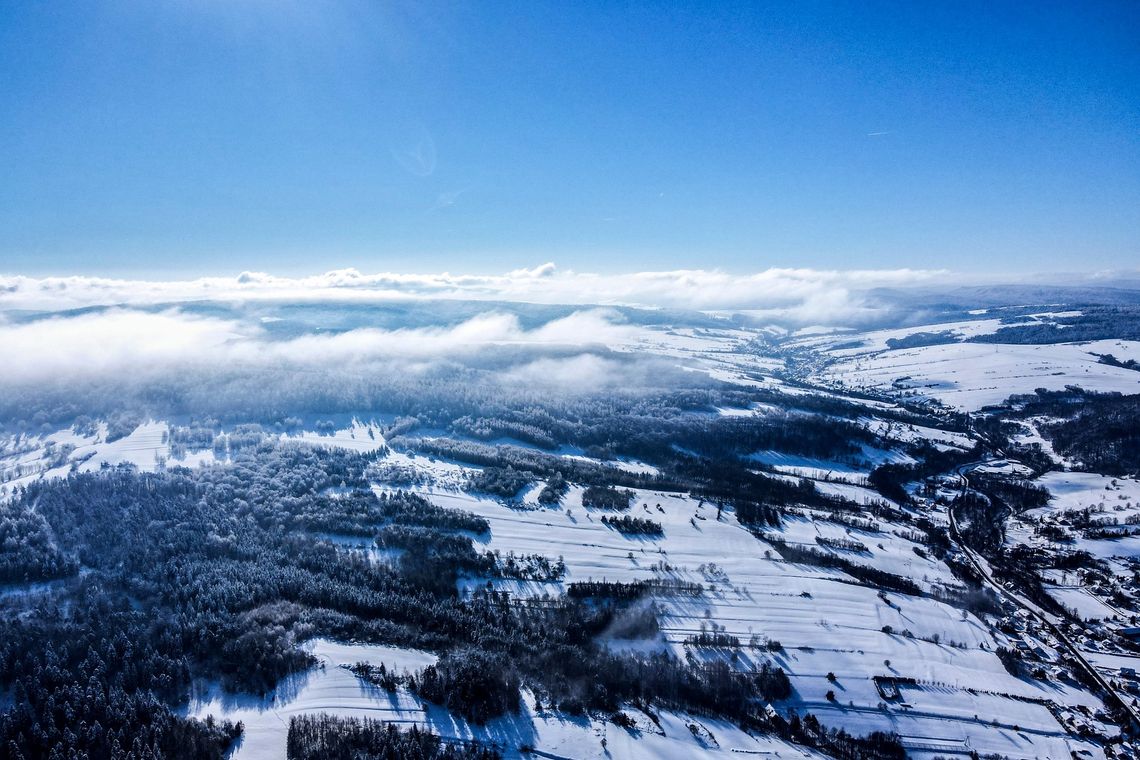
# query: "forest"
(1100, 432)
(221, 573)
(1093, 323)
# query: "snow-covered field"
(833, 634)
(824, 620)
(326, 688)
(25, 458)
(972, 375)
(358, 436)
(331, 688)
(1107, 498)
(850, 344)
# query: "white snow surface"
(825, 621)
(972, 375)
(331, 688)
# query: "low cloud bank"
(131, 343)
(804, 295)
(150, 331)
(785, 294)
(177, 361)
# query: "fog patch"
(133, 343)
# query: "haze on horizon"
(174, 141)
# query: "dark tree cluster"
(362, 513)
(1016, 493)
(555, 488)
(843, 544)
(757, 514)
(919, 339)
(377, 675)
(504, 482)
(878, 745)
(97, 682)
(1099, 431)
(1104, 436)
(605, 497)
(432, 560)
(529, 567)
(890, 479)
(634, 526)
(473, 683)
(27, 551)
(1112, 361)
(627, 591)
(980, 521)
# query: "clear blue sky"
(211, 136)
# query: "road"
(1050, 621)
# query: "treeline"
(483, 685)
(432, 397)
(537, 463)
(810, 426)
(756, 496)
(1112, 361)
(362, 513)
(1093, 323)
(713, 640)
(871, 576)
(325, 737)
(631, 590)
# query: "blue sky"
(209, 136)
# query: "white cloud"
(133, 344)
(112, 342)
(803, 294)
(584, 373)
